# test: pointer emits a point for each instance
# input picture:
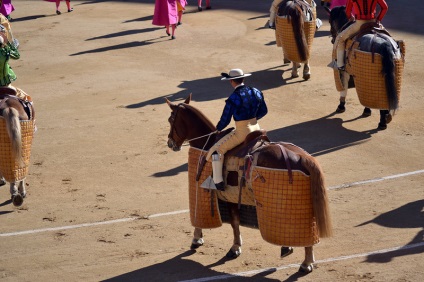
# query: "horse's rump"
(10, 167)
(294, 30)
(377, 67)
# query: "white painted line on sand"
(274, 269)
(347, 185)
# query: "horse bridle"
(173, 132)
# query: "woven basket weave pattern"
(285, 36)
(9, 168)
(369, 80)
(200, 198)
(284, 210)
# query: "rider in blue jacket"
(246, 105)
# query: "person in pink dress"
(336, 3)
(68, 5)
(6, 8)
(166, 14)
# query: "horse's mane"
(338, 14)
(201, 116)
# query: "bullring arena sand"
(107, 200)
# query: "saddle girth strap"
(286, 159)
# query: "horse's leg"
(307, 265)
(235, 250)
(306, 71)
(21, 188)
(345, 80)
(385, 118)
(366, 112)
(2, 180)
(295, 70)
(17, 198)
(286, 251)
(197, 239)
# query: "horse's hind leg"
(307, 265)
(17, 198)
(385, 118)
(197, 239)
(235, 250)
(295, 70)
(306, 71)
(2, 181)
(21, 188)
(345, 80)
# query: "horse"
(301, 15)
(14, 110)
(374, 42)
(187, 123)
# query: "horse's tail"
(297, 21)
(319, 197)
(388, 70)
(13, 127)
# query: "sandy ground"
(99, 76)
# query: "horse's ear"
(187, 101)
(327, 9)
(168, 102)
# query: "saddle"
(7, 93)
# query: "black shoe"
(173, 37)
(58, 12)
(220, 186)
(179, 23)
(199, 8)
(208, 7)
(70, 10)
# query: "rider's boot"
(217, 165)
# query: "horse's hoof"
(233, 254)
(340, 109)
(286, 251)
(294, 75)
(17, 200)
(196, 243)
(286, 61)
(306, 76)
(366, 112)
(388, 118)
(2, 182)
(382, 126)
(306, 269)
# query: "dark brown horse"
(15, 110)
(189, 124)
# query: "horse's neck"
(200, 131)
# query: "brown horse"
(189, 124)
(15, 110)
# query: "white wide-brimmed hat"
(234, 74)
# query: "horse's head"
(178, 131)
(337, 20)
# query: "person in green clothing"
(7, 51)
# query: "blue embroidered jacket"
(243, 104)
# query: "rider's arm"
(383, 9)
(263, 109)
(226, 116)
